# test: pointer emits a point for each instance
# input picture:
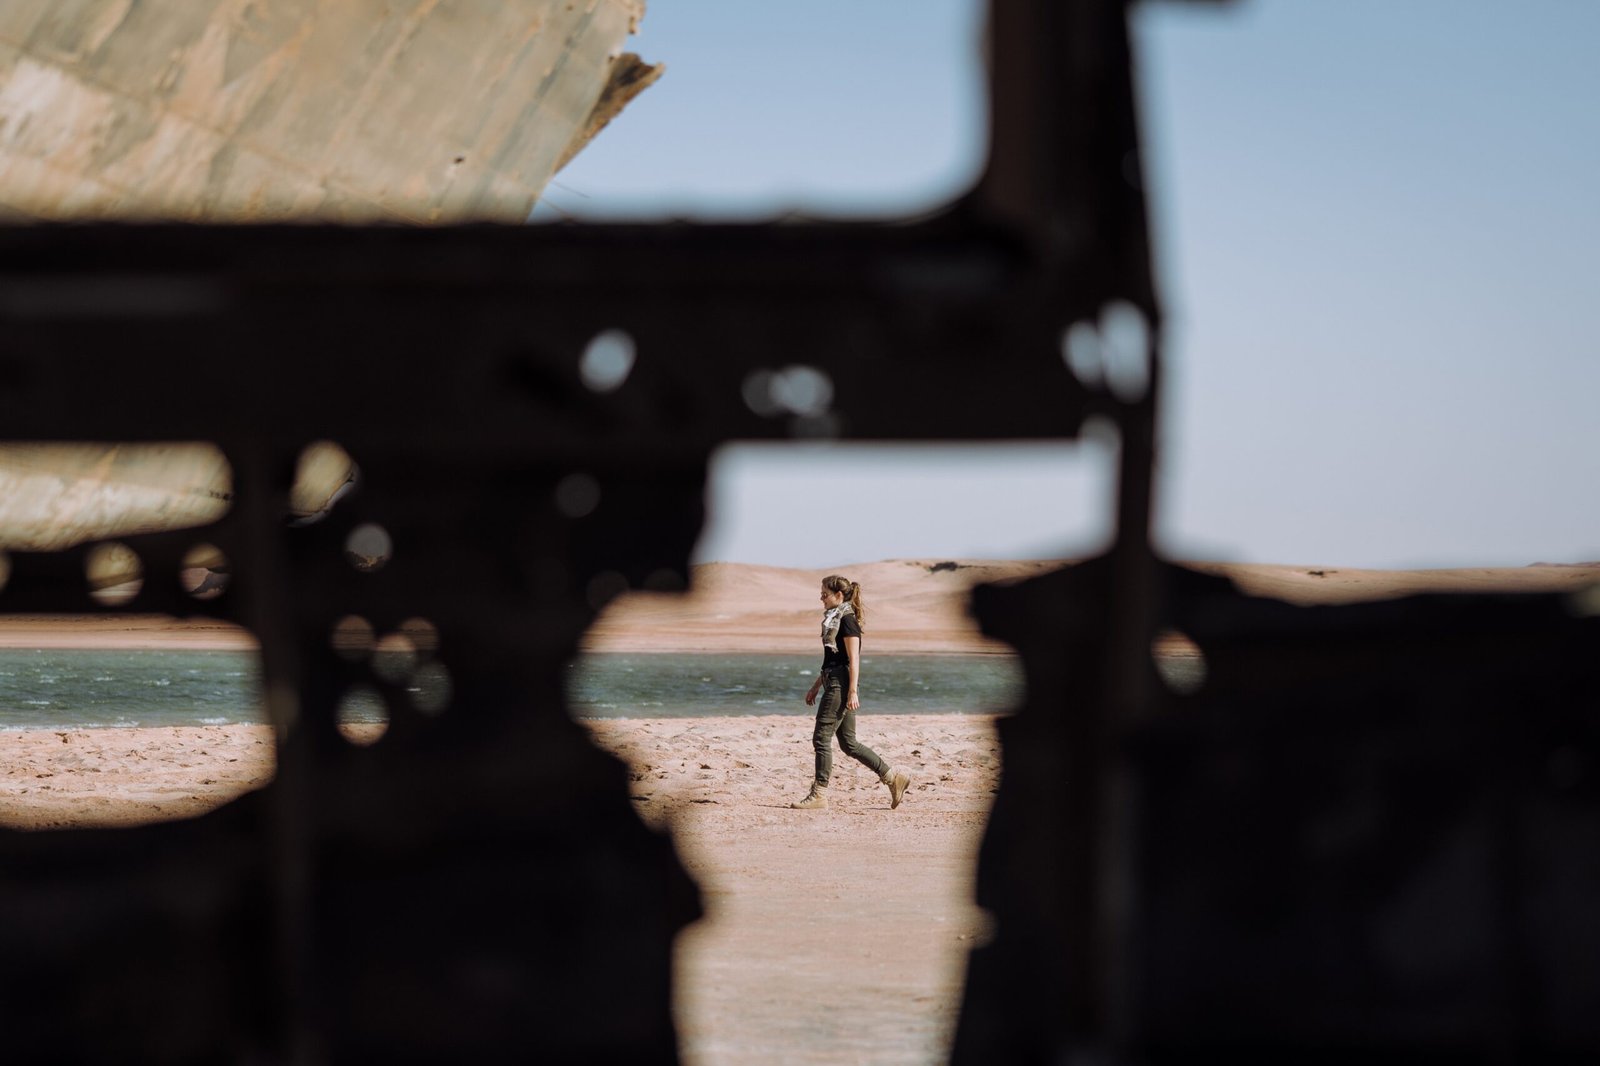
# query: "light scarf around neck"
(830, 625)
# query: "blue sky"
(1378, 231)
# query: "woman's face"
(831, 599)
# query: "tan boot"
(816, 799)
(898, 783)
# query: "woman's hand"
(811, 696)
(854, 701)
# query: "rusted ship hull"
(350, 111)
(422, 111)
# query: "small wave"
(213, 721)
(104, 678)
(37, 703)
(161, 682)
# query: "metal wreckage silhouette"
(1371, 832)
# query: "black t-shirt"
(848, 627)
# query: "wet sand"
(830, 936)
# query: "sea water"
(681, 685)
(88, 688)
(84, 688)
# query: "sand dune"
(920, 605)
(913, 605)
(1328, 584)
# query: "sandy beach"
(829, 936)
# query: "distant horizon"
(974, 561)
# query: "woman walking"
(842, 618)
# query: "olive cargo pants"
(834, 718)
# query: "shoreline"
(899, 648)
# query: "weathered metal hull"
(263, 110)
(414, 111)
(54, 496)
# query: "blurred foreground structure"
(1371, 832)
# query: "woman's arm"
(852, 648)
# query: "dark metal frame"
(342, 912)
(446, 361)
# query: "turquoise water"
(83, 688)
(78, 688)
(671, 686)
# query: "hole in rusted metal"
(423, 634)
(363, 715)
(323, 476)
(368, 547)
(352, 638)
(1179, 662)
(114, 572)
(607, 361)
(577, 495)
(394, 658)
(55, 496)
(205, 572)
(431, 688)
